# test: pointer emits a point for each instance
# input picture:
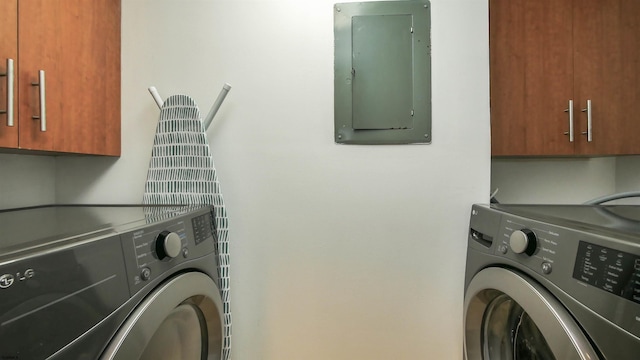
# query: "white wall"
(627, 174)
(27, 180)
(338, 252)
(553, 181)
(628, 177)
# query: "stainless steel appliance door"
(510, 317)
(181, 319)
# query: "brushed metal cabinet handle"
(570, 111)
(589, 131)
(43, 101)
(10, 79)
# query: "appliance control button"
(168, 244)
(523, 242)
(185, 253)
(145, 274)
(546, 268)
(502, 249)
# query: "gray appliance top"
(34, 228)
(605, 219)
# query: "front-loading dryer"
(109, 282)
(552, 282)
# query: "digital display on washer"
(202, 228)
(611, 270)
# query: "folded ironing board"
(181, 171)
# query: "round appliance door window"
(509, 317)
(510, 333)
(181, 319)
(182, 335)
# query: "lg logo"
(7, 280)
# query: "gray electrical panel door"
(382, 86)
(382, 72)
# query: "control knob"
(168, 244)
(523, 241)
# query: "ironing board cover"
(181, 171)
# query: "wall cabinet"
(549, 60)
(77, 45)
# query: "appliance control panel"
(614, 271)
(535, 245)
(152, 250)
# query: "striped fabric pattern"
(181, 171)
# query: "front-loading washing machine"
(552, 282)
(111, 282)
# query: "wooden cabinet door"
(531, 76)
(8, 50)
(77, 44)
(607, 72)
